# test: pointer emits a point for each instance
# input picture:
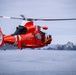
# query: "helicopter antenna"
(23, 17)
(35, 19)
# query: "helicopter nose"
(49, 38)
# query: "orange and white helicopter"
(29, 35)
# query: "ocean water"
(37, 62)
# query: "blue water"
(37, 62)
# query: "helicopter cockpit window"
(20, 30)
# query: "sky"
(62, 31)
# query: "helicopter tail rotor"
(1, 38)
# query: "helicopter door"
(38, 39)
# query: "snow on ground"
(37, 62)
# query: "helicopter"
(29, 35)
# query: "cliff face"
(8, 47)
(68, 46)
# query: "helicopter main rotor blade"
(33, 19)
(54, 19)
(11, 17)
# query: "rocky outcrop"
(68, 46)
